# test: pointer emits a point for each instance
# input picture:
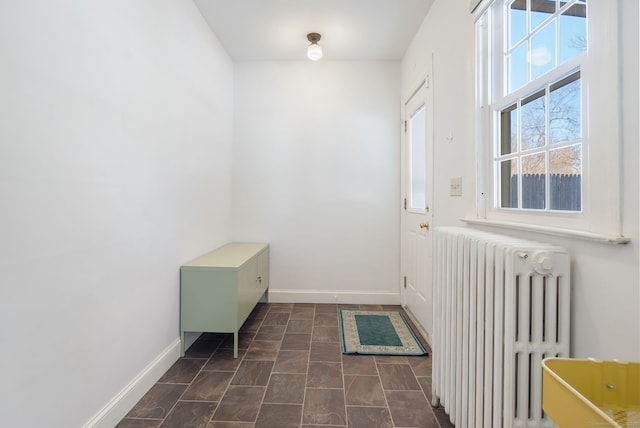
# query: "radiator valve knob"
(542, 262)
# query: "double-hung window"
(548, 120)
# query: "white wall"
(446, 36)
(115, 168)
(606, 296)
(316, 174)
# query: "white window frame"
(600, 218)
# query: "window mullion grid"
(528, 41)
(506, 53)
(519, 148)
(557, 41)
(501, 99)
(501, 95)
(547, 157)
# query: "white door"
(417, 168)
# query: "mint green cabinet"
(219, 290)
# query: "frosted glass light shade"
(314, 52)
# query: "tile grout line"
(384, 392)
(426, 346)
(435, 418)
(225, 390)
(264, 393)
(306, 376)
(260, 320)
(344, 385)
(188, 385)
(235, 370)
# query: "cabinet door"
(263, 270)
(207, 300)
(248, 292)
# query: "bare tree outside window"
(542, 134)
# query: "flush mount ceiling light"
(314, 51)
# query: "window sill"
(568, 233)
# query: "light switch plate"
(456, 186)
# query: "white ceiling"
(350, 29)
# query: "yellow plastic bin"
(591, 393)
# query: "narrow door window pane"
(417, 150)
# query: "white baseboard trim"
(323, 296)
(119, 406)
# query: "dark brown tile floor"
(290, 373)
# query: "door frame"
(426, 81)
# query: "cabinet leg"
(235, 344)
